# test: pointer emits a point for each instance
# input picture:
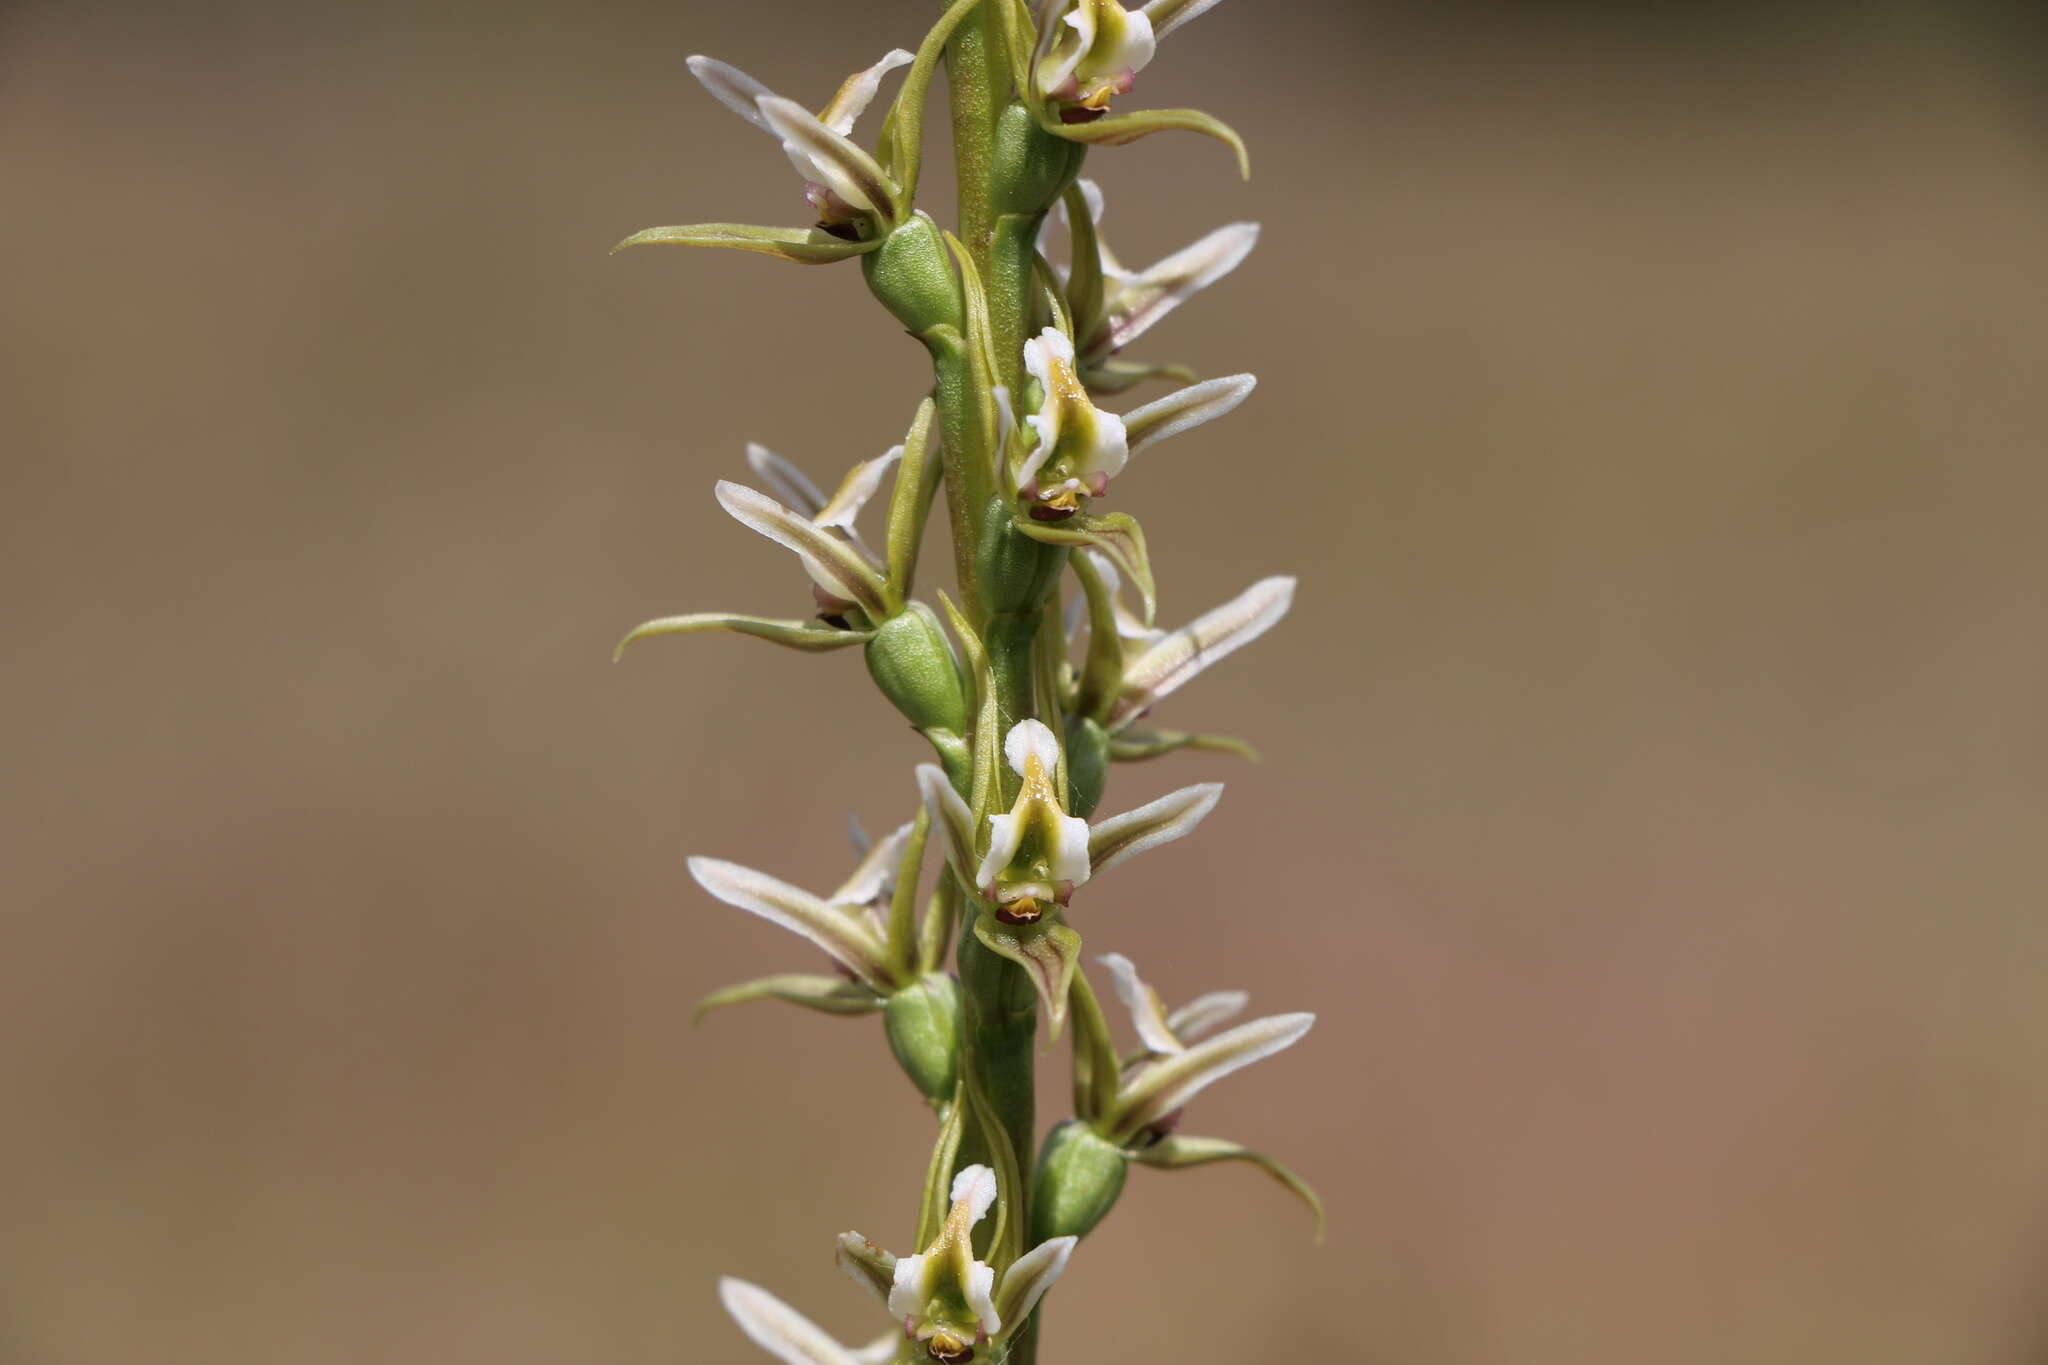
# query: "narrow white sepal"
(880, 1351)
(858, 91)
(1125, 836)
(1027, 1279)
(731, 87)
(829, 158)
(833, 564)
(954, 820)
(785, 480)
(1167, 1085)
(1205, 1013)
(1029, 741)
(1148, 1016)
(1189, 407)
(778, 1329)
(1179, 655)
(845, 938)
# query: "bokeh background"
(1652, 402)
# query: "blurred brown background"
(1652, 404)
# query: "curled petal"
(1135, 746)
(1148, 1016)
(1048, 953)
(1176, 1153)
(1125, 836)
(731, 87)
(1206, 1013)
(805, 635)
(1118, 129)
(866, 1264)
(777, 1328)
(823, 155)
(858, 91)
(1181, 654)
(846, 939)
(1030, 1275)
(954, 820)
(1190, 407)
(974, 1192)
(832, 563)
(785, 480)
(1005, 835)
(1167, 1085)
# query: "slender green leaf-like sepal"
(826, 994)
(1135, 746)
(954, 821)
(904, 131)
(938, 1178)
(1176, 1153)
(910, 501)
(1117, 536)
(805, 246)
(1122, 837)
(1096, 1066)
(1117, 129)
(1117, 376)
(1048, 953)
(806, 635)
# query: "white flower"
(1090, 50)
(842, 927)
(843, 183)
(1167, 661)
(1078, 448)
(1133, 300)
(949, 1301)
(844, 571)
(1175, 1067)
(1037, 853)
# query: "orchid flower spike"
(1075, 448)
(950, 1303)
(788, 1335)
(853, 196)
(1174, 1066)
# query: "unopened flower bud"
(911, 663)
(1087, 764)
(1080, 1176)
(912, 274)
(922, 1022)
(1029, 168)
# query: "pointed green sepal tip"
(1117, 129)
(1048, 953)
(1176, 1153)
(804, 246)
(826, 994)
(1117, 376)
(1136, 746)
(812, 636)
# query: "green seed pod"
(923, 1025)
(1087, 764)
(910, 661)
(1080, 1175)
(1015, 571)
(912, 274)
(1029, 168)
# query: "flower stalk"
(1028, 680)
